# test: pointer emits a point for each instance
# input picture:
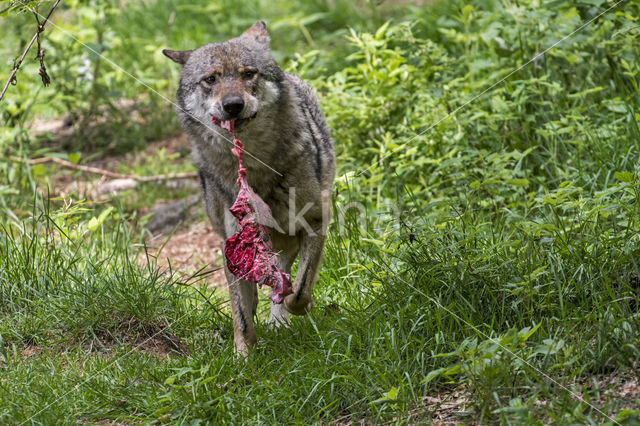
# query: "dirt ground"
(190, 249)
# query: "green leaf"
(499, 104)
(624, 176)
(393, 393)
(94, 222)
(382, 30)
(518, 182)
(373, 241)
(8, 190)
(444, 371)
(527, 332)
(74, 157)
(207, 380)
(572, 58)
(615, 105)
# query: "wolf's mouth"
(237, 122)
(241, 121)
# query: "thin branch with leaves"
(40, 56)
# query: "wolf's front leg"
(243, 296)
(311, 246)
(244, 301)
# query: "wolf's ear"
(179, 56)
(258, 31)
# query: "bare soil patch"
(191, 248)
(153, 339)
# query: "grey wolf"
(291, 165)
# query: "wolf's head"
(229, 80)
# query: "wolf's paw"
(298, 305)
(279, 316)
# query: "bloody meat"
(249, 251)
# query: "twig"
(40, 55)
(107, 173)
(36, 36)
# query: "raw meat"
(249, 251)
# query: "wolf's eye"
(247, 74)
(210, 80)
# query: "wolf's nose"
(232, 105)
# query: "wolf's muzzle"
(233, 105)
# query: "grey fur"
(287, 132)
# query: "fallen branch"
(107, 173)
(36, 36)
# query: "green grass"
(497, 263)
(339, 362)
